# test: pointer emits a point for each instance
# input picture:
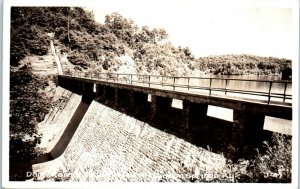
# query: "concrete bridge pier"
(194, 117)
(116, 96)
(110, 94)
(100, 91)
(122, 98)
(79, 87)
(107, 94)
(138, 103)
(87, 92)
(87, 87)
(247, 129)
(160, 106)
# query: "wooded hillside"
(95, 47)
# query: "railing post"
(162, 81)
(117, 77)
(284, 93)
(269, 97)
(226, 86)
(188, 83)
(210, 80)
(149, 80)
(131, 79)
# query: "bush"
(78, 60)
(273, 163)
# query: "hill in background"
(119, 45)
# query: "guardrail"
(209, 84)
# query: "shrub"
(78, 60)
(273, 162)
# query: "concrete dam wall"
(53, 126)
(107, 145)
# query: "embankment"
(111, 146)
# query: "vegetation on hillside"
(273, 163)
(95, 47)
(28, 106)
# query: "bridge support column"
(100, 91)
(159, 105)
(247, 129)
(131, 101)
(138, 103)
(77, 86)
(87, 92)
(104, 92)
(186, 114)
(122, 98)
(116, 97)
(193, 117)
(109, 93)
(87, 87)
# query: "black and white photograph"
(163, 91)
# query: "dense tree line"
(243, 64)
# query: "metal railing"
(210, 84)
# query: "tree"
(123, 28)
(160, 35)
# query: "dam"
(104, 137)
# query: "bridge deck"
(161, 82)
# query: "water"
(259, 89)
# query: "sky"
(212, 27)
